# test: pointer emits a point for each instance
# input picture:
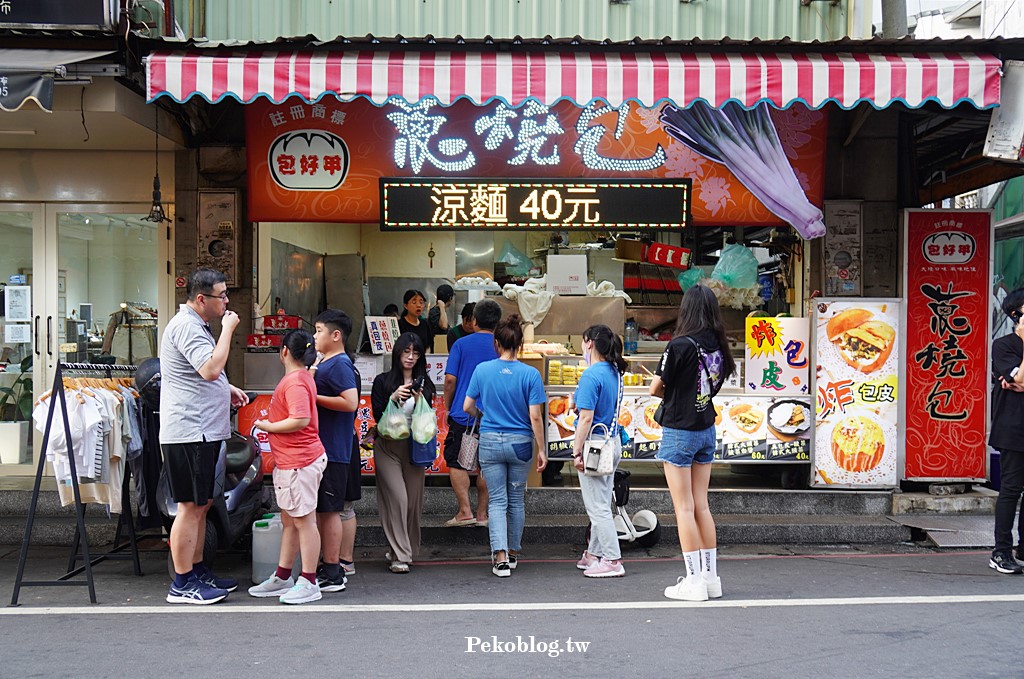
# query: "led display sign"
(442, 204)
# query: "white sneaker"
(302, 592)
(272, 586)
(687, 590)
(714, 586)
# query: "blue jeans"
(504, 468)
(597, 498)
(683, 448)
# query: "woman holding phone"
(399, 482)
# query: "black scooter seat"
(241, 451)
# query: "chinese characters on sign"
(856, 389)
(947, 284)
(748, 429)
(776, 356)
(382, 332)
(499, 203)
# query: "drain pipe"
(894, 18)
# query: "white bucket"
(266, 548)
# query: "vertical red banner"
(948, 256)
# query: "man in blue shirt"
(466, 354)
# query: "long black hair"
(608, 344)
(300, 346)
(699, 311)
(395, 377)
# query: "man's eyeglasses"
(223, 296)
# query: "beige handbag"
(469, 458)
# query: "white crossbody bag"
(599, 448)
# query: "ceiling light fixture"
(156, 211)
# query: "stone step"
(56, 531)
(440, 501)
(732, 529)
(569, 501)
(549, 529)
(976, 501)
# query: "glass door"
(22, 248)
(110, 281)
(81, 283)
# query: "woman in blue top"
(509, 398)
(598, 398)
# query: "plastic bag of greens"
(393, 424)
(424, 421)
(737, 267)
(690, 278)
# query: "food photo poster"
(856, 383)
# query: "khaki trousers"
(399, 497)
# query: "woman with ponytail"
(300, 461)
(509, 397)
(598, 399)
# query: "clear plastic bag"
(690, 278)
(515, 261)
(737, 267)
(393, 424)
(424, 421)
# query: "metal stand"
(124, 522)
(57, 393)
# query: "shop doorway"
(87, 283)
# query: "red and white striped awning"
(780, 78)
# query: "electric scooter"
(238, 497)
(642, 528)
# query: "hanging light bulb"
(156, 211)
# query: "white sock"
(692, 561)
(709, 562)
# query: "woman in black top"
(410, 321)
(399, 482)
(1007, 435)
(695, 364)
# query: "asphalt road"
(835, 612)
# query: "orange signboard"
(322, 162)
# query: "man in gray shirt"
(195, 412)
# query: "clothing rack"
(81, 538)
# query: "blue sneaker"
(211, 580)
(195, 591)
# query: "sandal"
(456, 522)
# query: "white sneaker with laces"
(688, 590)
(714, 586)
(272, 586)
(302, 592)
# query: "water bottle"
(631, 337)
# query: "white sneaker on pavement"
(688, 590)
(272, 586)
(302, 592)
(714, 586)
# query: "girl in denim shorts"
(693, 368)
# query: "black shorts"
(452, 443)
(191, 468)
(354, 491)
(330, 497)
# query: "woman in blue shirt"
(598, 399)
(509, 398)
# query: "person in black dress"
(414, 302)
